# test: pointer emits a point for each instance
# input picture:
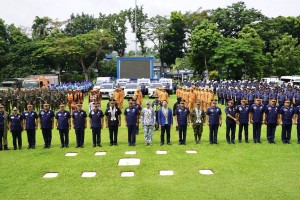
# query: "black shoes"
(161, 144)
(169, 143)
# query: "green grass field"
(241, 171)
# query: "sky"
(23, 12)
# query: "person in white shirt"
(148, 122)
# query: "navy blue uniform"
(230, 124)
(257, 118)
(96, 125)
(243, 121)
(79, 121)
(271, 120)
(30, 126)
(16, 129)
(214, 122)
(182, 120)
(297, 112)
(63, 126)
(286, 117)
(139, 108)
(131, 114)
(46, 121)
(297, 99)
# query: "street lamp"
(135, 15)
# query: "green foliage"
(41, 27)
(242, 57)
(286, 56)
(231, 20)
(204, 39)
(80, 24)
(174, 39)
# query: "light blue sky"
(22, 12)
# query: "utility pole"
(135, 14)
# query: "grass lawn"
(241, 171)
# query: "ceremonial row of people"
(243, 115)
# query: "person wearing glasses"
(182, 118)
(63, 125)
(214, 121)
(231, 121)
(113, 122)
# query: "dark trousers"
(256, 131)
(47, 135)
(17, 136)
(230, 127)
(165, 129)
(113, 134)
(245, 127)
(64, 137)
(79, 136)
(182, 133)
(1, 137)
(131, 134)
(31, 137)
(213, 133)
(286, 132)
(271, 128)
(96, 131)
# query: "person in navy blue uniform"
(15, 123)
(79, 124)
(271, 120)
(286, 120)
(113, 122)
(139, 108)
(46, 118)
(131, 120)
(296, 98)
(165, 121)
(297, 121)
(256, 118)
(182, 116)
(96, 124)
(231, 120)
(243, 120)
(31, 124)
(281, 97)
(63, 125)
(214, 120)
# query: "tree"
(286, 56)
(116, 24)
(156, 29)
(41, 27)
(193, 19)
(80, 24)
(241, 57)
(231, 20)
(140, 28)
(174, 39)
(204, 39)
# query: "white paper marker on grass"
(130, 152)
(129, 161)
(166, 173)
(127, 174)
(100, 153)
(191, 151)
(206, 172)
(88, 174)
(50, 175)
(71, 154)
(161, 152)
